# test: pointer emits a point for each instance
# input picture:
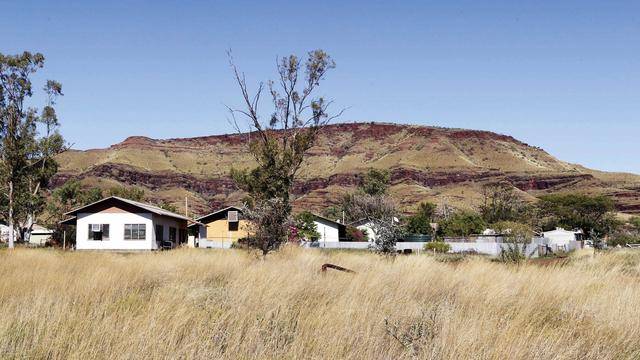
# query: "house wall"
(328, 231)
(219, 230)
(116, 221)
(166, 222)
(559, 238)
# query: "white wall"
(366, 228)
(559, 237)
(4, 233)
(116, 223)
(328, 231)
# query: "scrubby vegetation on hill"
(425, 164)
(229, 304)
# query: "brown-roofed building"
(115, 223)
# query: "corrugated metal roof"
(150, 208)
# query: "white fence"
(214, 244)
(487, 248)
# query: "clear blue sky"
(562, 75)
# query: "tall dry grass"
(227, 304)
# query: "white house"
(561, 239)
(329, 230)
(115, 223)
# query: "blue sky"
(562, 75)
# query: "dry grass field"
(228, 304)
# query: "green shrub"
(622, 240)
(437, 246)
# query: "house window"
(98, 232)
(172, 234)
(135, 231)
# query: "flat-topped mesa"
(358, 131)
(427, 163)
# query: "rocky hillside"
(426, 163)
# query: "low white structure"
(40, 235)
(329, 230)
(4, 232)
(115, 223)
(561, 239)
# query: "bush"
(355, 234)
(622, 240)
(437, 246)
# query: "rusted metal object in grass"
(336, 267)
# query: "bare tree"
(380, 211)
(279, 142)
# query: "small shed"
(40, 235)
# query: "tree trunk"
(10, 220)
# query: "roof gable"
(125, 204)
(212, 215)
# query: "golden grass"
(228, 304)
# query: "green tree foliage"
(462, 223)
(279, 144)
(635, 223)
(578, 211)
(375, 182)
(420, 222)
(65, 198)
(437, 246)
(306, 226)
(501, 203)
(127, 192)
(333, 212)
(29, 140)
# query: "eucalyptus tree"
(29, 141)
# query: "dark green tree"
(375, 182)
(127, 192)
(578, 211)
(420, 222)
(306, 226)
(65, 198)
(462, 223)
(279, 143)
(29, 141)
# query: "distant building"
(40, 235)
(4, 232)
(561, 239)
(115, 223)
(224, 226)
(329, 230)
